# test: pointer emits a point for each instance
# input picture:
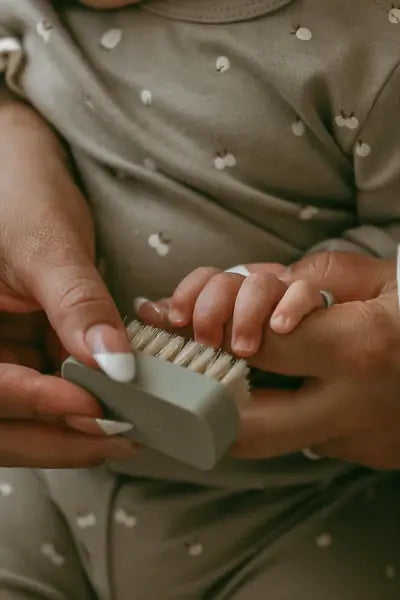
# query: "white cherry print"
(86, 520)
(111, 38)
(146, 97)
(363, 149)
(122, 517)
(44, 29)
(219, 162)
(302, 33)
(394, 15)
(160, 243)
(350, 121)
(324, 540)
(224, 160)
(195, 549)
(223, 64)
(230, 160)
(308, 212)
(6, 489)
(298, 128)
(49, 551)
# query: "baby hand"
(209, 298)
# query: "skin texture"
(209, 298)
(48, 284)
(349, 356)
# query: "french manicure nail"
(310, 454)
(120, 366)
(111, 350)
(138, 303)
(97, 426)
(239, 270)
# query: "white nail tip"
(239, 270)
(119, 366)
(138, 303)
(113, 427)
(308, 453)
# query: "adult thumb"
(84, 316)
(349, 276)
(61, 276)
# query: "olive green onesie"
(212, 132)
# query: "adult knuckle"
(264, 281)
(82, 292)
(204, 271)
(220, 278)
(372, 357)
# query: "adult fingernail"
(111, 350)
(120, 448)
(97, 426)
(239, 270)
(138, 303)
(310, 454)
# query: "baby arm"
(209, 299)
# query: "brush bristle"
(217, 364)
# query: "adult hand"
(348, 407)
(46, 253)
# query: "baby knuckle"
(227, 281)
(203, 323)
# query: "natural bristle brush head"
(217, 364)
(184, 401)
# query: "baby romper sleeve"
(377, 178)
(38, 559)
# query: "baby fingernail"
(97, 426)
(243, 346)
(176, 316)
(280, 323)
(111, 350)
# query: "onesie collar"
(214, 11)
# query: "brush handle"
(184, 415)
